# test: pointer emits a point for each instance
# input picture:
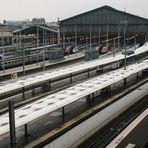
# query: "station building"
(104, 23)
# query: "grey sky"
(52, 9)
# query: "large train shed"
(104, 21)
(34, 31)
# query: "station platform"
(135, 135)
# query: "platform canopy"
(18, 84)
(52, 102)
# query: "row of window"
(21, 60)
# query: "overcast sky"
(53, 9)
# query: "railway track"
(104, 137)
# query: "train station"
(80, 82)
(104, 24)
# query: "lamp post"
(125, 23)
(107, 35)
(43, 50)
(21, 45)
(58, 23)
(86, 38)
(135, 42)
(3, 55)
(13, 41)
(17, 40)
(90, 37)
(145, 39)
(114, 48)
(23, 59)
(118, 37)
(37, 45)
(63, 38)
(75, 36)
(99, 36)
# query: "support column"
(26, 130)
(88, 73)
(124, 81)
(145, 72)
(33, 92)
(49, 83)
(102, 91)
(12, 124)
(70, 78)
(93, 96)
(137, 75)
(99, 70)
(108, 89)
(63, 112)
(23, 93)
(89, 97)
(46, 86)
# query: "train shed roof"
(106, 7)
(32, 29)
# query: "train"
(103, 49)
(17, 61)
(74, 49)
(30, 56)
(16, 58)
